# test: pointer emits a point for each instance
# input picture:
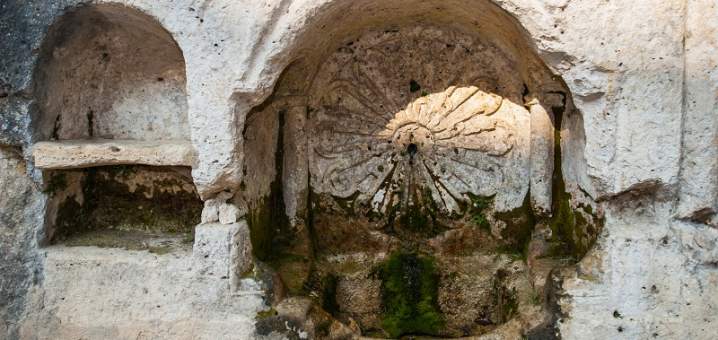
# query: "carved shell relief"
(401, 118)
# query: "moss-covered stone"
(143, 199)
(409, 295)
(575, 230)
(266, 314)
(294, 270)
(267, 219)
(259, 220)
(478, 209)
(520, 224)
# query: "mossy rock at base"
(409, 296)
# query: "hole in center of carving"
(411, 149)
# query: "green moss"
(409, 295)
(261, 231)
(129, 240)
(571, 230)
(122, 170)
(415, 219)
(160, 250)
(107, 239)
(294, 270)
(261, 315)
(70, 219)
(516, 254)
(572, 227)
(188, 238)
(477, 211)
(419, 218)
(557, 249)
(116, 207)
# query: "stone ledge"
(70, 154)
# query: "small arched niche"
(416, 185)
(110, 86)
(111, 132)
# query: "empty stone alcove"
(111, 130)
(417, 181)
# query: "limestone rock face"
(560, 159)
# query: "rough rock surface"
(20, 221)
(638, 137)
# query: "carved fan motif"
(454, 137)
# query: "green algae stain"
(410, 295)
(520, 223)
(109, 204)
(575, 230)
(261, 232)
(478, 209)
(267, 219)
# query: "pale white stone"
(228, 213)
(97, 152)
(699, 170)
(211, 210)
(222, 250)
(105, 293)
(542, 156)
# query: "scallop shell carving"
(453, 135)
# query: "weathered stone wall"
(642, 143)
(20, 223)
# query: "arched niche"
(414, 182)
(110, 86)
(111, 132)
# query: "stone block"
(228, 213)
(222, 251)
(71, 154)
(210, 213)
